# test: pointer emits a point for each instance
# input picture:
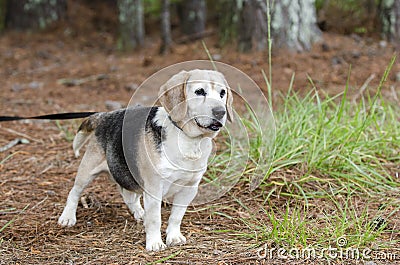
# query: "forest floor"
(35, 178)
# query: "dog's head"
(200, 101)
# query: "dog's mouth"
(214, 126)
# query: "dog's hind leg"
(92, 164)
(132, 200)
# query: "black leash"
(56, 116)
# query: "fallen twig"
(21, 134)
(80, 81)
(363, 87)
(13, 143)
(394, 94)
(195, 36)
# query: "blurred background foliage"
(234, 21)
(349, 16)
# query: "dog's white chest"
(183, 163)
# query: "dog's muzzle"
(214, 126)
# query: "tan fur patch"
(89, 124)
(172, 96)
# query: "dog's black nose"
(218, 112)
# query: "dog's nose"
(218, 112)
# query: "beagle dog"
(160, 153)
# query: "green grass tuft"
(333, 157)
(67, 129)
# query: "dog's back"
(120, 134)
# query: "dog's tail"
(85, 132)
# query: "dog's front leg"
(181, 200)
(152, 221)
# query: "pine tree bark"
(3, 9)
(166, 38)
(396, 30)
(131, 24)
(390, 20)
(246, 26)
(386, 18)
(30, 14)
(294, 24)
(193, 17)
(246, 19)
(228, 15)
(261, 26)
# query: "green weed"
(67, 130)
(327, 149)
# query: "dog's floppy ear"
(172, 96)
(229, 101)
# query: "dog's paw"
(174, 239)
(155, 245)
(67, 220)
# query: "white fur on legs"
(152, 222)
(181, 200)
(132, 200)
(174, 235)
(92, 164)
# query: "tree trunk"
(166, 39)
(386, 18)
(261, 25)
(396, 30)
(3, 9)
(246, 19)
(131, 24)
(294, 24)
(390, 20)
(193, 17)
(30, 14)
(246, 26)
(227, 20)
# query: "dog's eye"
(222, 94)
(200, 92)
